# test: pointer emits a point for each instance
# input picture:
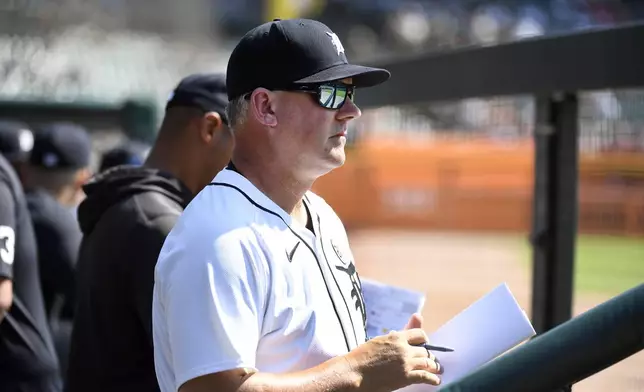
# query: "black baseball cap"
(61, 146)
(126, 154)
(202, 91)
(16, 140)
(289, 52)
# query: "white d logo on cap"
(50, 159)
(26, 140)
(336, 42)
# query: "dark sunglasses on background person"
(328, 95)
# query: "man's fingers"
(421, 352)
(415, 336)
(425, 364)
(415, 321)
(423, 377)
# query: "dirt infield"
(456, 269)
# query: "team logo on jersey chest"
(348, 267)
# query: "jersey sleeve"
(213, 297)
(7, 231)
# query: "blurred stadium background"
(443, 190)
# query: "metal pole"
(554, 209)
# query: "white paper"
(486, 329)
(389, 307)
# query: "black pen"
(430, 347)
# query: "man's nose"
(349, 111)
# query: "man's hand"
(416, 321)
(394, 361)
(6, 296)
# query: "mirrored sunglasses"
(329, 95)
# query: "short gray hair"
(236, 111)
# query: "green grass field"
(607, 265)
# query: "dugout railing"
(568, 353)
(554, 70)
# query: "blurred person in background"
(128, 153)
(127, 215)
(28, 361)
(16, 142)
(58, 167)
(255, 286)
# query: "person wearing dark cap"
(58, 166)
(128, 153)
(28, 361)
(125, 219)
(16, 142)
(256, 288)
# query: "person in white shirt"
(256, 287)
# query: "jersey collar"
(234, 178)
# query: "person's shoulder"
(7, 188)
(139, 214)
(222, 208)
(8, 194)
(152, 207)
(40, 201)
(47, 212)
(151, 228)
(9, 178)
(200, 245)
(213, 224)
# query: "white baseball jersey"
(237, 285)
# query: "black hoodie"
(125, 218)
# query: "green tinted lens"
(340, 97)
(327, 96)
(333, 97)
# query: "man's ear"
(262, 106)
(211, 124)
(82, 176)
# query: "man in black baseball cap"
(16, 140)
(125, 218)
(205, 92)
(58, 167)
(256, 288)
(285, 54)
(61, 146)
(128, 153)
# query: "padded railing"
(574, 350)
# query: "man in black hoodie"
(125, 218)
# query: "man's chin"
(337, 158)
(332, 162)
